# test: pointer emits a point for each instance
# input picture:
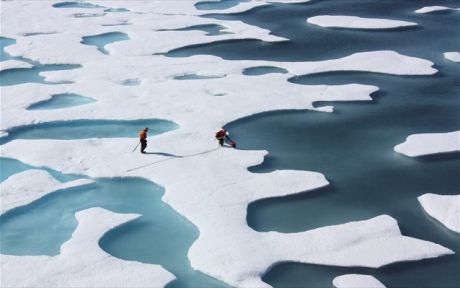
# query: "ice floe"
(357, 281)
(452, 56)
(14, 64)
(430, 9)
(429, 143)
(81, 262)
(355, 22)
(28, 186)
(444, 208)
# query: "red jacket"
(143, 135)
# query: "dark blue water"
(353, 146)
(101, 40)
(60, 101)
(310, 42)
(82, 129)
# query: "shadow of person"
(164, 154)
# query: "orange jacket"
(143, 135)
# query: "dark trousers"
(143, 145)
(221, 141)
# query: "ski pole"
(136, 146)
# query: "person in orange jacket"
(143, 139)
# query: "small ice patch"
(431, 9)
(357, 22)
(357, 281)
(452, 56)
(444, 208)
(429, 143)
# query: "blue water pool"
(60, 101)
(101, 40)
(81, 129)
(218, 5)
(3, 43)
(262, 70)
(160, 236)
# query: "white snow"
(452, 56)
(429, 9)
(212, 196)
(444, 208)
(355, 22)
(23, 188)
(429, 143)
(357, 281)
(81, 262)
(13, 64)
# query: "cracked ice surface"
(212, 198)
(444, 208)
(429, 143)
(355, 22)
(25, 187)
(81, 257)
(357, 281)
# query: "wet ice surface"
(307, 44)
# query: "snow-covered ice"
(452, 56)
(357, 281)
(355, 22)
(429, 143)
(444, 208)
(81, 262)
(25, 187)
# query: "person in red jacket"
(143, 139)
(221, 135)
